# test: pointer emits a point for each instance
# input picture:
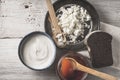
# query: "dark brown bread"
(100, 48)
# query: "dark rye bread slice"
(100, 48)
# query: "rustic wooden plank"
(20, 17)
(108, 10)
(11, 67)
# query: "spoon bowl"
(75, 74)
(75, 65)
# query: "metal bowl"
(91, 10)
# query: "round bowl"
(25, 40)
(77, 75)
(91, 10)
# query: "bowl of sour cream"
(37, 51)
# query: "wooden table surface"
(20, 17)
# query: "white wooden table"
(20, 17)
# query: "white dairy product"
(39, 52)
(73, 19)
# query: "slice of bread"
(100, 48)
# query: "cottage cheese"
(73, 19)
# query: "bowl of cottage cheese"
(76, 19)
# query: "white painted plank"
(17, 21)
(108, 10)
(11, 67)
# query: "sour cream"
(39, 52)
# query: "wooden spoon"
(80, 67)
(55, 25)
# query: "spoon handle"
(53, 15)
(54, 22)
(95, 73)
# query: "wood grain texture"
(18, 20)
(11, 67)
(108, 10)
(20, 17)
